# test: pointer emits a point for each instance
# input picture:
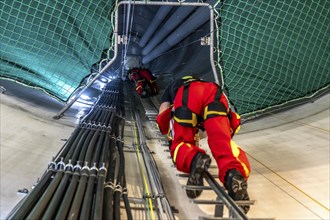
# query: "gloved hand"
(235, 122)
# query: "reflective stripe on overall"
(226, 153)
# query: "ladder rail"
(229, 203)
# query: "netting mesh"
(274, 51)
(52, 44)
(271, 51)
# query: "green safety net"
(274, 52)
(52, 45)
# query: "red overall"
(150, 80)
(143, 77)
(227, 154)
(139, 81)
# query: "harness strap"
(185, 95)
(215, 108)
(183, 115)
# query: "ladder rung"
(190, 187)
(187, 175)
(211, 202)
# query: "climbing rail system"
(89, 178)
(223, 201)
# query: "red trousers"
(148, 80)
(227, 154)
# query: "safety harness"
(185, 117)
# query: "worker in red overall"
(193, 104)
(145, 82)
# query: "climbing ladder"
(222, 201)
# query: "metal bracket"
(205, 41)
(122, 39)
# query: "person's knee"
(183, 154)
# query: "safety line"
(143, 175)
(296, 187)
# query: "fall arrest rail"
(223, 199)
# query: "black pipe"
(89, 195)
(109, 186)
(64, 207)
(87, 209)
(74, 157)
(126, 202)
(103, 116)
(89, 117)
(112, 160)
(104, 159)
(85, 144)
(42, 203)
(101, 179)
(97, 115)
(86, 193)
(99, 194)
(118, 189)
(59, 194)
(91, 146)
(98, 208)
(98, 149)
(124, 194)
(72, 147)
(107, 119)
(78, 198)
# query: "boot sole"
(239, 192)
(196, 179)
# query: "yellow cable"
(143, 175)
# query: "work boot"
(236, 186)
(200, 163)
